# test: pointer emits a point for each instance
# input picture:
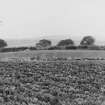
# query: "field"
(57, 53)
(74, 82)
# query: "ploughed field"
(52, 83)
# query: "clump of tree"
(43, 44)
(3, 43)
(65, 43)
(87, 41)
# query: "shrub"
(71, 47)
(13, 49)
(54, 48)
(32, 48)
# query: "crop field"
(52, 83)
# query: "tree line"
(87, 42)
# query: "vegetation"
(65, 43)
(13, 49)
(46, 79)
(87, 41)
(52, 83)
(2, 43)
(43, 44)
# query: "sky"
(74, 19)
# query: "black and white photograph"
(52, 52)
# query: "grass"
(58, 53)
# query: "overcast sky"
(36, 18)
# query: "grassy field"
(58, 53)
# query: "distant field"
(58, 53)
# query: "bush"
(54, 48)
(71, 47)
(13, 49)
(32, 48)
(82, 47)
(94, 47)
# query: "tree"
(87, 41)
(43, 44)
(66, 43)
(2, 43)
